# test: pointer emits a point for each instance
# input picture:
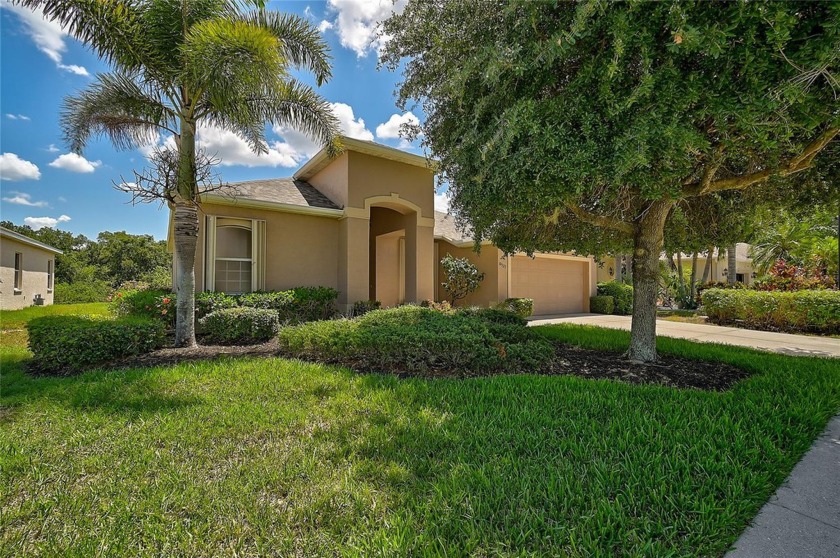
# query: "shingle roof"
(283, 190)
(446, 228)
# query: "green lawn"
(278, 457)
(16, 319)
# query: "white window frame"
(258, 246)
(18, 286)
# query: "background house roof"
(446, 229)
(282, 190)
(26, 240)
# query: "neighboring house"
(27, 271)
(609, 271)
(364, 223)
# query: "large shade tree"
(579, 126)
(181, 63)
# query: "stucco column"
(353, 260)
(419, 259)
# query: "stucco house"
(27, 271)
(609, 270)
(364, 223)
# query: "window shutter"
(210, 253)
(258, 255)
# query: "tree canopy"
(580, 126)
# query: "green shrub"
(622, 296)
(520, 306)
(207, 302)
(274, 300)
(146, 303)
(301, 304)
(601, 304)
(80, 293)
(362, 307)
(239, 326)
(494, 315)
(66, 344)
(815, 311)
(415, 340)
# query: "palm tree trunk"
(707, 269)
(186, 236)
(647, 243)
(731, 265)
(680, 274)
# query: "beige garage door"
(555, 285)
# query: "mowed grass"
(278, 457)
(17, 319)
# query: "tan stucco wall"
(374, 176)
(34, 274)
(332, 180)
(301, 250)
(489, 261)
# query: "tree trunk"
(186, 236)
(693, 275)
(680, 274)
(731, 265)
(647, 245)
(707, 269)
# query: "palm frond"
(117, 106)
(301, 44)
(110, 27)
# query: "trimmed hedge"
(494, 315)
(816, 311)
(622, 296)
(207, 302)
(520, 306)
(239, 326)
(421, 341)
(298, 305)
(81, 293)
(66, 344)
(601, 304)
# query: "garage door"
(555, 285)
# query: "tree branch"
(600, 220)
(796, 164)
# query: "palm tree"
(179, 63)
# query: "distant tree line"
(109, 261)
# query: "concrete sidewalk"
(802, 518)
(789, 344)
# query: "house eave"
(28, 241)
(219, 199)
(321, 159)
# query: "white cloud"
(13, 167)
(75, 163)
(41, 222)
(62, 199)
(17, 116)
(325, 25)
(357, 22)
(230, 149)
(22, 198)
(442, 202)
(304, 147)
(47, 35)
(392, 128)
(53, 149)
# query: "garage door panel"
(556, 285)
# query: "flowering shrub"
(784, 276)
(158, 305)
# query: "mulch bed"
(668, 371)
(570, 360)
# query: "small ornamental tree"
(461, 277)
(581, 126)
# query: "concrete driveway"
(789, 344)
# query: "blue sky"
(43, 185)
